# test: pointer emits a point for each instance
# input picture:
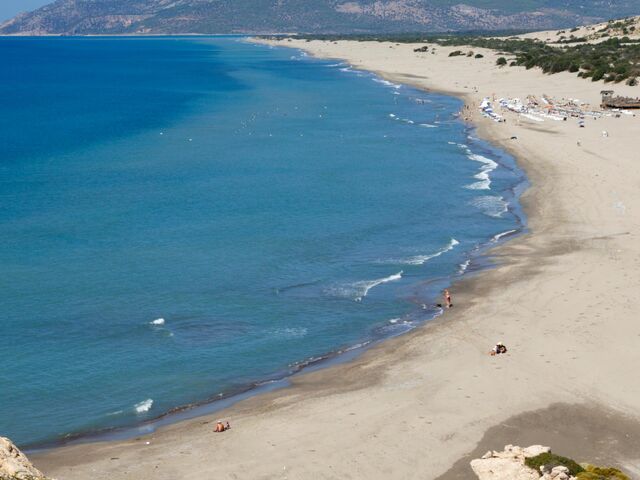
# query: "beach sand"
(564, 299)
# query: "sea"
(186, 218)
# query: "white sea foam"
(421, 259)
(290, 332)
(491, 206)
(355, 347)
(365, 286)
(428, 125)
(463, 267)
(488, 166)
(405, 120)
(500, 235)
(358, 290)
(157, 321)
(143, 406)
(387, 83)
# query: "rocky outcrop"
(510, 465)
(14, 464)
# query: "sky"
(9, 8)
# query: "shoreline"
(479, 257)
(381, 372)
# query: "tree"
(501, 61)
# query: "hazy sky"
(8, 8)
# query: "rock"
(535, 450)
(557, 476)
(502, 469)
(509, 465)
(15, 464)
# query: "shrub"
(456, 53)
(621, 69)
(501, 61)
(470, 54)
(598, 73)
(600, 473)
(513, 64)
(550, 460)
(479, 55)
(632, 82)
(573, 68)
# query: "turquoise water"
(181, 218)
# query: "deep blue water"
(271, 208)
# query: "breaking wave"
(358, 290)
(143, 406)
(488, 166)
(497, 237)
(491, 206)
(421, 259)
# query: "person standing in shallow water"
(447, 298)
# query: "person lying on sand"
(498, 349)
(221, 427)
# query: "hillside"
(627, 27)
(64, 17)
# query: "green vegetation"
(588, 472)
(550, 460)
(614, 60)
(599, 473)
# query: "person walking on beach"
(447, 298)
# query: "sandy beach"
(564, 299)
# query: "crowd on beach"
(539, 109)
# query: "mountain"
(79, 17)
